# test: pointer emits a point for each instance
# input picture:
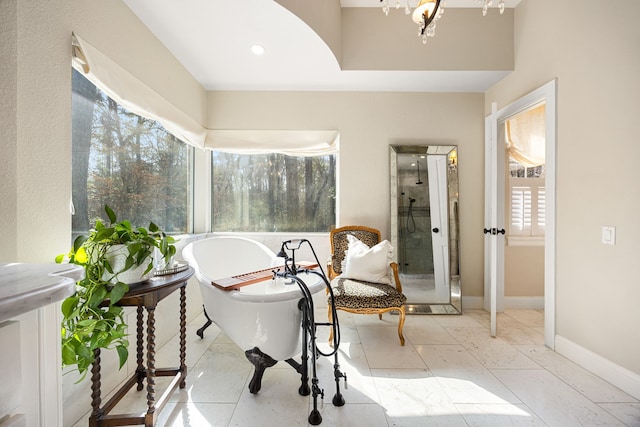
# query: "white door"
(493, 222)
(438, 202)
(494, 191)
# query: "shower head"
(412, 201)
(419, 180)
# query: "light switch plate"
(608, 235)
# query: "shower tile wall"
(414, 222)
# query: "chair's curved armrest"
(396, 277)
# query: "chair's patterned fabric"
(341, 244)
(358, 295)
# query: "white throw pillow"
(368, 264)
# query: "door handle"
(435, 230)
(494, 231)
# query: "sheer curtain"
(525, 137)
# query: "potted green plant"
(109, 255)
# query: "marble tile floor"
(449, 373)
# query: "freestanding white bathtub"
(263, 318)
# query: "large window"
(128, 162)
(273, 193)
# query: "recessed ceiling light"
(257, 49)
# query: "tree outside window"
(273, 192)
(128, 162)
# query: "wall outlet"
(608, 235)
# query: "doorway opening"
(495, 169)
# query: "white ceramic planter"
(117, 256)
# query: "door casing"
(494, 169)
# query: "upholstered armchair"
(364, 280)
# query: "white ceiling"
(212, 39)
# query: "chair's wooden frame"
(334, 268)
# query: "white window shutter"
(520, 210)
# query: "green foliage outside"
(273, 193)
(127, 162)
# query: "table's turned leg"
(96, 411)
(140, 371)
(151, 361)
(183, 334)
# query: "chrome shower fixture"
(419, 180)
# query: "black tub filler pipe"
(309, 326)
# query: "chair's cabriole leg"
(401, 324)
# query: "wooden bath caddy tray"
(236, 282)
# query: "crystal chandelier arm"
(427, 12)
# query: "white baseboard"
(620, 377)
(472, 303)
(624, 379)
(521, 303)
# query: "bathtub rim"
(245, 295)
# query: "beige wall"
(523, 271)
(368, 124)
(9, 128)
(591, 48)
(465, 40)
(36, 40)
(35, 89)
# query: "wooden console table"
(144, 296)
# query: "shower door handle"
(435, 230)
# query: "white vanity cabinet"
(30, 361)
(10, 371)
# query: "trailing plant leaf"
(118, 291)
(123, 354)
(69, 305)
(91, 320)
(110, 213)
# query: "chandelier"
(428, 12)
